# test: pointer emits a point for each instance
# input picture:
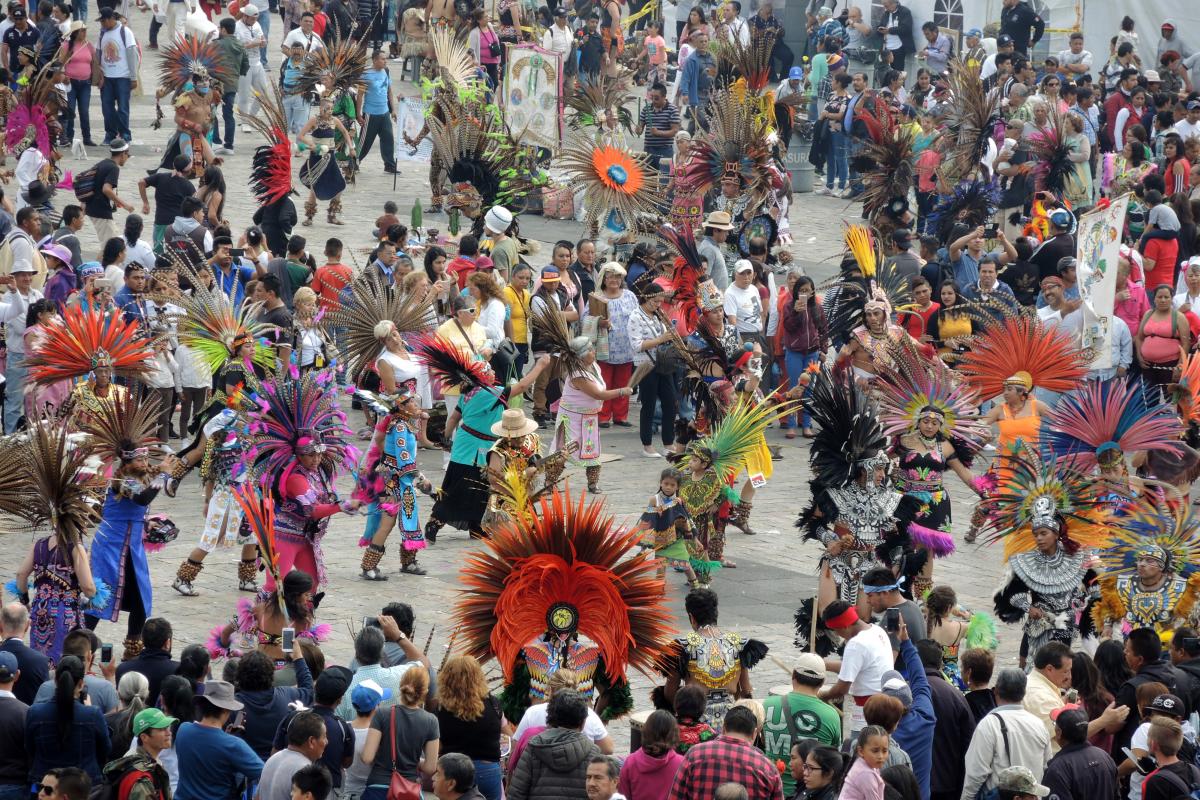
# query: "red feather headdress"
(271, 167)
(687, 273)
(1051, 357)
(84, 340)
(569, 554)
(452, 366)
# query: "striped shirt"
(660, 120)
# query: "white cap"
(1152, 76)
(742, 265)
(250, 10)
(498, 219)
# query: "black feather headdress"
(1049, 147)
(972, 203)
(885, 161)
(850, 433)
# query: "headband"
(891, 587)
(843, 620)
(137, 452)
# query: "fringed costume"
(189, 69)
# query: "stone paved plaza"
(775, 568)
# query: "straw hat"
(513, 424)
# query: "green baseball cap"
(150, 719)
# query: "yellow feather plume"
(862, 246)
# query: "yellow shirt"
(518, 301)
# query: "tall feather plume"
(568, 553)
(452, 366)
(36, 105)
(339, 66)
(1153, 519)
(597, 97)
(849, 431)
(455, 62)
(909, 383)
(550, 324)
(370, 302)
(259, 511)
(612, 179)
(885, 161)
(687, 272)
(124, 423)
(184, 54)
(738, 144)
(751, 60)
(290, 409)
(971, 120)
(739, 433)
(1049, 147)
(1051, 356)
(972, 203)
(69, 347)
(271, 166)
(210, 325)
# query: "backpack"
(85, 184)
(1186, 791)
(118, 789)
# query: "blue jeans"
(227, 99)
(374, 793)
(78, 98)
(14, 398)
(264, 22)
(838, 165)
(487, 779)
(796, 363)
(657, 154)
(79, 10)
(114, 103)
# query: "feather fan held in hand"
(188, 57)
(1099, 422)
(1053, 155)
(849, 431)
(85, 339)
(46, 483)
(972, 119)
(453, 367)
(566, 564)
(291, 409)
(271, 166)
(885, 161)
(212, 327)
(371, 302)
(121, 425)
(1050, 356)
(549, 324)
(612, 179)
(737, 435)
(259, 511)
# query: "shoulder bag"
(400, 787)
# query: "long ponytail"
(67, 676)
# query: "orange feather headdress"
(1050, 358)
(84, 340)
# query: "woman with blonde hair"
(312, 345)
(492, 313)
(406, 730)
(470, 720)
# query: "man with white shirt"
(558, 37)
(868, 654)
(743, 303)
(14, 305)
(250, 34)
(119, 63)
(734, 26)
(1075, 61)
(304, 36)
(1189, 126)
(1008, 736)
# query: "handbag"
(400, 787)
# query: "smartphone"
(1144, 765)
(237, 252)
(289, 639)
(891, 620)
(106, 653)
(990, 231)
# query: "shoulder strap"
(392, 725)
(468, 338)
(1173, 779)
(1003, 732)
(790, 718)
(129, 779)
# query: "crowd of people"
(953, 333)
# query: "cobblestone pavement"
(775, 568)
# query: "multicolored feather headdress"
(86, 339)
(1049, 356)
(259, 511)
(912, 387)
(1099, 422)
(1052, 153)
(850, 435)
(189, 57)
(452, 366)
(212, 327)
(34, 120)
(738, 146)
(291, 413)
(738, 434)
(885, 161)
(617, 184)
(687, 273)
(124, 428)
(370, 302)
(564, 569)
(972, 203)
(877, 284)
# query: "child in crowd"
(863, 781)
(673, 541)
(655, 47)
(387, 219)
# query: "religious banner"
(532, 97)
(1097, 250)
(410, 119)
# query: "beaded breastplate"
(713, 661)
(1147, 608)
(543, 660)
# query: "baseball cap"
(795, 73)
(742, 265)
(250, 10)
(809, 665)
(8, 666)
(107, 13)
(561, 11)
(1070, 718)
(1060, 218)
(18, 13)
(1192, 105)
(550, 273)
(368, 695)
(498, 219)
(1168, 704)
(975, 32)
(894, 685)
(1004, 39)
(331, 684)
(1020, 781)
(150, 719)
(902, 236)
(1152, 76)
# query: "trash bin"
(799, 169)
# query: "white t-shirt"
(535, 717)
(358, 772)
(247, 33)
(113, 45)
(311, 42)
(868, 655)
(1187, 130)
(745, 305)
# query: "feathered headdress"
(46, 482)
(1099, 422)
(34, 120)
(1049, 148)
(850, 435)
(123, 429)
(972, 203)
(271, 166)
(337, 67)
(595, 98)
(298, 416)
(877, 284)
(259, 511)
(456, 64)
(1025, 351)
(85, 339)
(215, 329)
(1040, 493)
(614, 181)
(885, 161)
(738, 434)
(738, 145)
(190, 57)
(687, 273)
(371, 302)
(972, 118)
(452, 366)
(750, 61)
(550, 325)
(912, 387)
(563, 570)
(1187, 390)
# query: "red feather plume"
(67, 348)
(687, 274)
(1051, 356)
(569, 553)
(259, 509)
(451, 365)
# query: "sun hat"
(513, 424)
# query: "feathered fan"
(271, 166)
(454, 58)
(452, 366)
(570, 556)
(972, 203)
(372, 301)
(595, 98)
(1051, 357)
(751, 60)
(35, 114)
(187, 55)
(259, 511)
(211, 326)
(123, 424)
(291, 409)
(613, 179)
(82, 340)
(550, 324)
(849, 431)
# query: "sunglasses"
(44, 789)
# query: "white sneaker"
(651, 454)
(136, 143)
(825, 190)
(846, 193)
(224, 151)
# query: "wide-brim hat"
(513, 424)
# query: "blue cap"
(8, 666)
(367, 695)
(975, 32)
(795, 74)
(1060, 218)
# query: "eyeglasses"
(812, 768)
(44, 789)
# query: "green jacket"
(156, 787)
(233, 57)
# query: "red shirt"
(328, 283)
(1164, 252)
(320, 20)
(726, 760)
(916, 321)
(462, 268)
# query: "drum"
(637, 720)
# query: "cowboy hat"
(513, 424)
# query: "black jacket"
(1024, 25)
(155, 665)
(35, 669)
(904, 29)
(277, 220)
(951, 735)
(1081, 772)
(1187, 673)
(1161, 672)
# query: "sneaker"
(246, 129)
(89, 143)
(136, 143)
(185, 588)
(373, 574)
(391, 170)
(846, 194)
(224, 151)
(825, 190)
(651, 454)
